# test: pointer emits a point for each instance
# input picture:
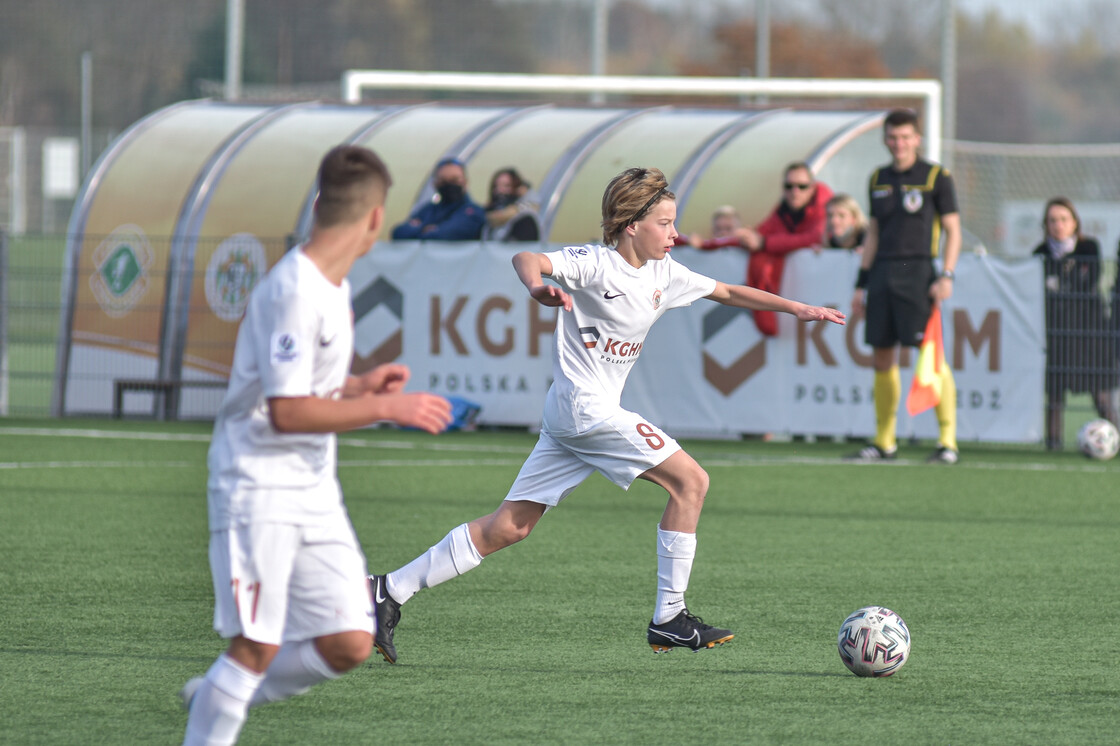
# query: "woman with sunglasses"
(609, 296)
(798, 222)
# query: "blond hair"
(847, 202)
(629, 197)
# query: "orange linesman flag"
(925, 391)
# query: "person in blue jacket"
(454, 217)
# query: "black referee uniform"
(907, 205)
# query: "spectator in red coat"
(797, 222)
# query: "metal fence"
(1082, 313)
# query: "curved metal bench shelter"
(191, 205)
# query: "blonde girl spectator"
(846, 225)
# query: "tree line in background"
(1012, 86)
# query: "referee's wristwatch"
(948, 274)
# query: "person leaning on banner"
(511, 213)
(913, 202)
(454, 216)
(1080, 349)
(725, 231)
(847, 225)
(797, 222)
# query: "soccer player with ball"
(609, 298)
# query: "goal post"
(355, 82)
(13, 180)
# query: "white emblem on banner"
(235, 268)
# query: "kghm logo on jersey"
(235, 268)
(619, 349)
(120, 275)
(590, 336)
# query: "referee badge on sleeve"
(912, 200)
(284, 348)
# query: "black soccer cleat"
(870, 454)
(944, 455)
(685, 631)
(386, 612)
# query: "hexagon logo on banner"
(378, 325)
(725, 372)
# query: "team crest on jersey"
(576, 252)
(656, 299)
(590, 336)
(235, 268)
(912, 200)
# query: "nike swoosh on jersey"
(608, 295)
(324, 342)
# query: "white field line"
(102, 434)
(96, 464)
(977, 465)
(199, 438)
(459, 463)
(721, 461)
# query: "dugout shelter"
(189, 207)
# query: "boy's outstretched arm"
(531, 269)
(742, 296)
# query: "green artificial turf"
(1004, 568)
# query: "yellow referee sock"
(886, 391)
(947, 412)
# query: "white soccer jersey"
(297, 339)
(613, 307)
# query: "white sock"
(221, 704)
(296, 668)
(675, 552)
(452, 556)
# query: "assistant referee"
(913, 202)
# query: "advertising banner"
(458, 316)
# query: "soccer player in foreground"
(290, 585)
(610, 297)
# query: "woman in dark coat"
(1080, 351)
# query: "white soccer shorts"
(620, 448)
(279, 582)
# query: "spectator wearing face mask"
(454, 216)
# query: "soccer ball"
(1098, 439)
(874, 641)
